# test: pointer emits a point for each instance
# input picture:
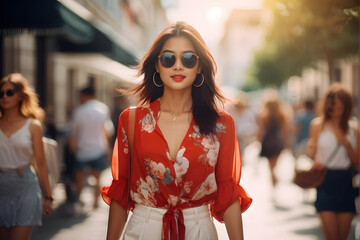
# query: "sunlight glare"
(214, 14)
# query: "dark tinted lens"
(10, 92)
(167, 60)
(189, 60)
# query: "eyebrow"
(169, 51)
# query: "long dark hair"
(205, 98)
(344, 96)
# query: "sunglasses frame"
(9, 93)
(181, 57)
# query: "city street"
(286, 71)
(285, 213)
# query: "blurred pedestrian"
(68, 176)
(68, 172)
(272, 130)
(21, 133)
(121, 102)
(49, 126)
(245, 120)
(302, 121)
(91, 130)
(334, 144)
(185, 156)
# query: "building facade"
(63, 45)
(244, 34)
(314, 82)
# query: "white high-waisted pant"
(146, 223)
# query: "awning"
(72, 33)
(24, 14)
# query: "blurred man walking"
(90, 131)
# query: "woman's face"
(9, 97)
(335, 107)
(178, 76)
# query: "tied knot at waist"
(173, 225)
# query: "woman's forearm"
(233, 221)
(117, 220)
(43, 174)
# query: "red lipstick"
(178, 77)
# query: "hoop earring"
(154, 80)
(202, 80)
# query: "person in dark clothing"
(302, 123)
(272, 131)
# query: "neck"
(86, 99)
(11, 115)
(334, 121)
(175, 102)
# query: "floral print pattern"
(211, 147)
(182, 164)
(205, 166)
(209, 143)
(157, 171)
(173, 200)
(206, 188)
(145, 192)
(148, 123)
(125, 141)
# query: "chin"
(180, 86)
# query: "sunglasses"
(9, 93)
(188, 60)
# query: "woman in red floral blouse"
(186, 163)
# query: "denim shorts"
(20, 199)
(94, 164)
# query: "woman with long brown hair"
(272, 130)
(21, 145)
(185, 157)
(334, 144)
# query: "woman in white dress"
(21, 145)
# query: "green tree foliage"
(303, 32)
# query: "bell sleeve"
(119, 165)
(228, 172)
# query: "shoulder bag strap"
(333, 153)
(132, 114)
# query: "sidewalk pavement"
(283, 213)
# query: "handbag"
(52, 162)
(51, 156)
(313, 177)
(131, 130)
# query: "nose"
(178, 64)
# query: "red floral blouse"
(207, 169)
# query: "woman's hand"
(47, 206)
(318, 166)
